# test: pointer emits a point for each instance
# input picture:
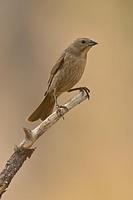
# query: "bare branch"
(24, 151)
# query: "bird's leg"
(58, 107)
(83, 89)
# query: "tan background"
(90, 154)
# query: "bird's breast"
(69, 74)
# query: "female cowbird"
(64, 75)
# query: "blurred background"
(89, 155)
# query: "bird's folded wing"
(55, 68)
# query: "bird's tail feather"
(44, 109)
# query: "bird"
(66, 72)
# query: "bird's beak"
(92, 43)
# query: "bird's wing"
(55, 68)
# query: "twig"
(24, 151)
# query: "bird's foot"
(59, 110)
(82, 89)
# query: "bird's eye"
(83, 41)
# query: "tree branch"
(24, 150)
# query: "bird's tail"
(44, 109)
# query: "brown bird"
(64, 75)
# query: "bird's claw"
(82, 89)
(59, 110)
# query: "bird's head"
(82, 45)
